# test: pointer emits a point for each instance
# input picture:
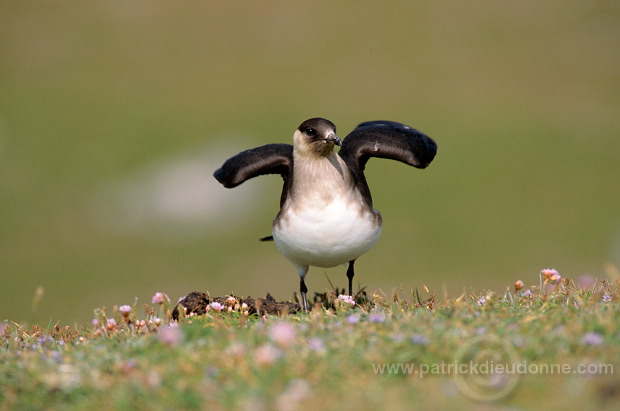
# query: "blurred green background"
(114, 114)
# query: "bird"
(326, 215)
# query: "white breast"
(325, 223)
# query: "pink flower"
(346, 299)
(296, 394)
(111, 323)
(125, 310)
(170, 335)
(585, 281)
(283, 334)
(267, 354)
(519, 285)
(236, 350)
(217, 307)
(159, 298)
(551, 275)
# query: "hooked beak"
(333, 138)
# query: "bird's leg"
(302, 270)
(350, 274)
(303, 289)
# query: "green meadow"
(522, 349)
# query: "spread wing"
(385, 139)
(267, 159)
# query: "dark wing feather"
(388, 139)
(267, 159)
(385, 139)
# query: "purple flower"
(353, 319)
(376, 317)
(55, 355)
(316, 344)
(419, 339)
(606, 298)
(45, 340)
(592, 338)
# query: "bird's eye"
(310, 131)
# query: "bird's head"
(316, 137)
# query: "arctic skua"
(326, 216)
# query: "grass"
(394, 351)
(521, 99)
